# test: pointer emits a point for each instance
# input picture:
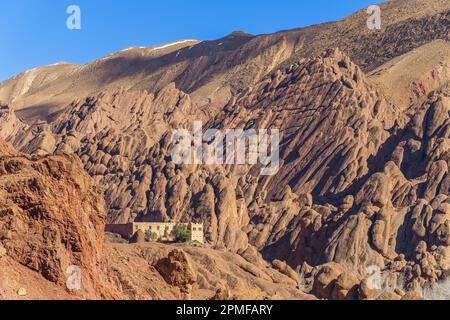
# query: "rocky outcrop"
(177, 271)
(147, 269)
(398, 218)
(138, 237)
(6, 149)
(410, 78)
(328, 94)
(49, 231)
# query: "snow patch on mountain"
(172, 44)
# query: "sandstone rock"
(138, 237)
(389, 296)
(285, 269)
(366, 291)
(421, 248)
(347, 203)
(222, 295)
(6, 149)
(62, 212)
(176, 270)
(22, 292)
(2, 250)
(325, 280)
(306, 200)
(345, 287)
(412, 295)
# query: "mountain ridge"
(213, 73)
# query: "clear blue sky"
(34, 33)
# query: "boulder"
(177, 271)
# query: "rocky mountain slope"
(407, 80)
(214, 71)
(52, 216)
(60, 210)
(363, 182)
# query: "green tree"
(181, 233)
(150, 236)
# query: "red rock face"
(52, 217)
(6, 149)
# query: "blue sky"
(34, 32)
